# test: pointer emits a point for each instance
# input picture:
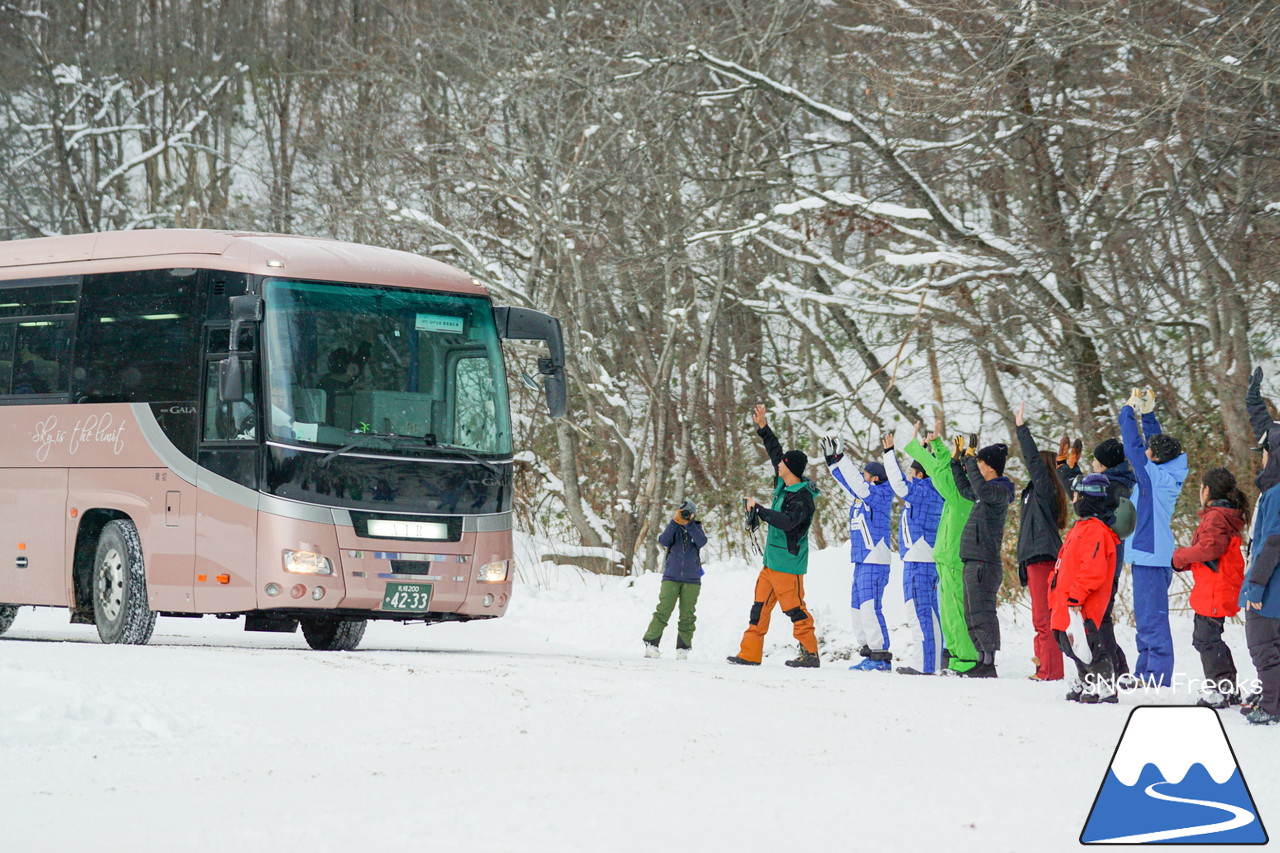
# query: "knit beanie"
(796, 462)
(1109, 453)
(1094, 499)
(875, 469)
(1164, 448)
(995, 455)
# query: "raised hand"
(1135, 399)
(761, 417)
(1073, 455)
(1064, 447)
(830, 447)
(1148, 402)
(1253, 397)
(887, 441)
(1021, 417)
(915, 430)
(958, 444)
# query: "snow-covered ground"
(547, 731)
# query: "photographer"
(681, 580)
(786, 553)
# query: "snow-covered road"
(546, 731)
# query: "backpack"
(1126, 519)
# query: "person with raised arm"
(1043, 516)
(786, 553)
(869, 531)
(1260, 594)
(979, 476)
(1160, 467)
(958, 652)
(922, 509)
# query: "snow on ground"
(547, 731)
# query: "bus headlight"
(307, 563)
(494, 572)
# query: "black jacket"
(793, 515)
(1039, 537)
(984, 531)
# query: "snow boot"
(741, 662)
(682, 654)
(1249, 701)
(806, 658)
(982, 670)
(911, 670)
(1101, 691)
(1075, 691)
(1216, 699)
(870, 665)
(1259, 717)
(651, 650)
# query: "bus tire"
(333, 635)
(7, 614)
(120, 586)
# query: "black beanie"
(796, 462)
(1164, 448)
(1109, 453)
(995, 455)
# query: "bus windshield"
(380, 369)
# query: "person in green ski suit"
(935, 457)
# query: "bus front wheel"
(120, 586)
(7, 614)
(333, 635)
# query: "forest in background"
(860, 212)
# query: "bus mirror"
(525, 324)
(231, 380)
(244, 309)
(557, 396)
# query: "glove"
(679, 519)
(830, 449)
(1135, 400)
(958, 444)
(1253, 397)
(1064, 447)
(972, 449)
(1073, 455)
(1076, 634)
(1148, 402)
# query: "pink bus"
(298, 431)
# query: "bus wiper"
(363, 439)
(467, 453)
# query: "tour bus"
(299, 431)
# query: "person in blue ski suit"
(917, 534)
(1160, 467)
(1260, 594)
(869, 532)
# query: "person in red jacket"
(1080, 588)
(1217, 568)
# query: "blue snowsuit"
(917, 535)
(1150, 548)
(870, 526)
(1262, 582)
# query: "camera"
(753, 515)
(687, 509)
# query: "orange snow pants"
(786, 590)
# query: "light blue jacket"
(1155, 494)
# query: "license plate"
(407, 597)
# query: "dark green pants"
(668, 595)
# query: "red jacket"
(1217, 541)
(1084, 574)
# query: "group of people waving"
(955, 503)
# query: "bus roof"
(282, 255)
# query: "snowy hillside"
(547, 731)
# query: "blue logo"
(1173, 779)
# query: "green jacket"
(787, 545)
(936, 461)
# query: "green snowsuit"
(936, 461)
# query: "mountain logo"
(1173, 779)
